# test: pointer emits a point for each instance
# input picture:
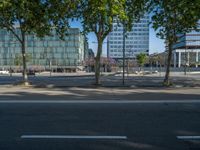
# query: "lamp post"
(185, 67)
(124, 42)
(123, 52)
(50, 67)
(9, 55)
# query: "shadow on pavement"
(19, 93)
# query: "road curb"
(111, 86)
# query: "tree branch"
(15, 34)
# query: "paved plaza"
(192, 79)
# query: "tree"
(172, 17)
(18, 59)
(34, 17)
(98, 17)
(141, 59)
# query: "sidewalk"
(116, 81)
(147, 87)
(107, 80)
(101, 93)
(110, 81)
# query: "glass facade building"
(189, 40)
(186, 52)
(137, 40)
(46, 52)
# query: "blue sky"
(155, 44)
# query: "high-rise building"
(50, 51)
(136, 42)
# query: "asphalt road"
(146, 126)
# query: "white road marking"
(73, 137)
(188, 137)
(98, 101)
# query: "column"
(179, 59)
(197, 59)
(174, 59)
(188, 59)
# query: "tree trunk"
(24, 72)
(167, 74)
(97, 62)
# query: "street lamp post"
(50, 67)
(9, 53)
(10, 64)
(124, 38)
(185, 67)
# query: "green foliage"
(18, 59)
(141, 59)
(171, 17)
(35, 17)
(98, 17)
(38, 17)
